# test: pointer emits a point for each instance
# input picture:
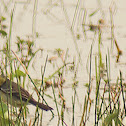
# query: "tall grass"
(108, 104)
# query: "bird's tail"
(40, 105)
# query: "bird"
(17, 93)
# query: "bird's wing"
(15, 90)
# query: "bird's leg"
(20, 111)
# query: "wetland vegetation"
(70, 56)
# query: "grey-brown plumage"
(26, 97)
